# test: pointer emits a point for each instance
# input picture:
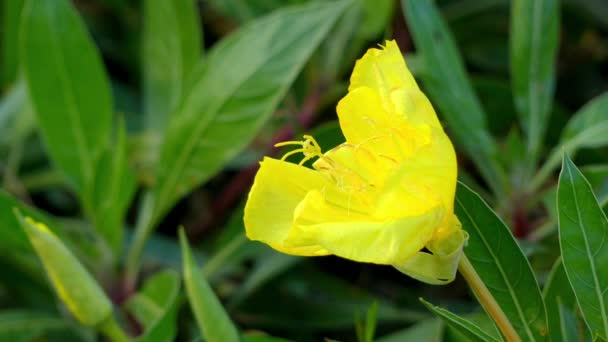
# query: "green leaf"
(501, 264)
(68, 88)
(466, 328)
(72, 282)
(427, 330)
(25, 325)
(212, 319)
(534, 42)
(450, 90)
(588, 128)
(171, 48)
(155, 307)
(11, 13)
(212, 123)
(583, 230)
(560, 303)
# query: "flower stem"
(486, 299)
(112, 330)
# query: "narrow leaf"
(583, 231)
(502, 265)
(25, 325)
(68, 88)
(213, 123)
(9, 29)
(155, 307)
(449, 88)
(171, 47)
(534, 42)
(212, 319)
(466, 328)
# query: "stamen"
(309, 148)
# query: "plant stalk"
(486, 299)
(143, 227)
(112, 330)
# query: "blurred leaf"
(212, 319)
(155, 307)
(11, 13)
(534, 43)
(501, 264)
(367, 329)
(113, 191)
(560, 302)
(597, 176)
(212, 124)
(25, 325)
(68, 88)
(16, 116)
(261, 338)
(171, 48)
(72, 282)
(588, 128)
(445, 80)
(583, 229)
(430, 330)
(466, 328)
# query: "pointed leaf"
(213, 123)
(583, 231)
(466, 328)
(501, 265)
(212, 319)
(449, 88)
(534, 43)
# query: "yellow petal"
(277, 190)
(381, 242)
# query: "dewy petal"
(278, 188)
(388, 242)
(385, 71)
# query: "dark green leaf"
(11, 13)
(466, 328)
(212, 319)
(25, 326)
(213, 123)
(583, 230)
(430, 330)
(534, 42)
(501, 265)
(155, 307)
(450, 90)
(560, 303)
(171, 48)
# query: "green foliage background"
(123, 120)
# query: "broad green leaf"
(9, 28)
(212, 319)
(155, 307)
(213, 123)
(533, 46)
(430, 330)
(72, 282)
(501, 264)
(171, 47)
(588, 128)
(446, 82)
(113, 190)
(25, 325)
(583, 229)
(68, 89)
(561, 304)
(466, 328)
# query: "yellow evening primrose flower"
(385, 196)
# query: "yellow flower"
(380, 197)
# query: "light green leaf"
(450, 90)
(171, 47)
(68, 89)
(430, 330)
(583, 230)
(212, 319)
(72, 282)
(588, 128)
(9, 27)
(501, 264)
(561, 303)
(466, 328)
(155, 307)
(213, 123)
(534, 42)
